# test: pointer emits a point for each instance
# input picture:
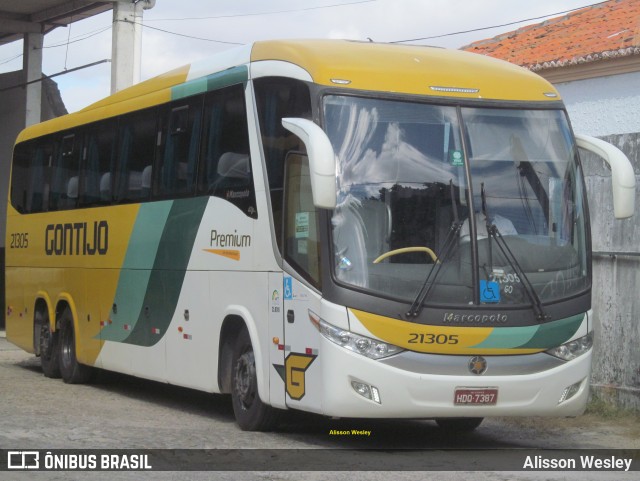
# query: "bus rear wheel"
(250, 412)
(48, 346)
(71, 370)
(459, 425)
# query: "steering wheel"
(404, 250)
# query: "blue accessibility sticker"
(288, 289)
(489, 291)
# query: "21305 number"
(19, 241)
(430, 338)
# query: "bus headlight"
(371, 348)
(571, 350)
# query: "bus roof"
(408, 69)
(418, 70)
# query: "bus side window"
(40, 181)
(136, 151)
(301, 228)
(66, 168)
(177, 164)
(99, 164)
(277, 98)
(22, 172)
(34, 159)
(225, 164)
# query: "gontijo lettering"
(79, 239)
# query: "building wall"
(608, 108)
(12, 118)
(604, 105)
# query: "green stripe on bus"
(136, 270)
(543, 336)
(169, 269)
(508, 337)
(188, 89)
(552, 334)
(145, 238)
(231, 76)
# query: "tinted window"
(181, 142)
(135, 154)
(278, 98)
(65, 181)
(99, 164)
(31, 175)
(225, 169)
(301, 231)
(20, 178)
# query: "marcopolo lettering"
(452, 318)
(77, 239)
(229, 240)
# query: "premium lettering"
(77, 239)
(229, 240)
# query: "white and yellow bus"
(351, 229)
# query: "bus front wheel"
(250, 412)
(71, 370)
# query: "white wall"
(605, 105)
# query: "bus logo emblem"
(23, 460)
(296, 366)
(478, 365)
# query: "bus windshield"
(416, 181)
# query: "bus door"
(302, 370)
(300, 291)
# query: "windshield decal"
(489, 292)
(456, 158)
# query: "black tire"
(71, 370)
(459, 425)
(48, 346)
(250, 412)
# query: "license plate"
(475, 396)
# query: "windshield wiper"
(449, 242)
(494, 233)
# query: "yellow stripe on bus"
(432, 339)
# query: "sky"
(222, 24)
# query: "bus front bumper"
(404, 394)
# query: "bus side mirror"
(623, 178)
(322, 160)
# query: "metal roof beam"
(19, 26)
(73, 7)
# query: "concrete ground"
(122, 412)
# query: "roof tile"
(606, 30)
